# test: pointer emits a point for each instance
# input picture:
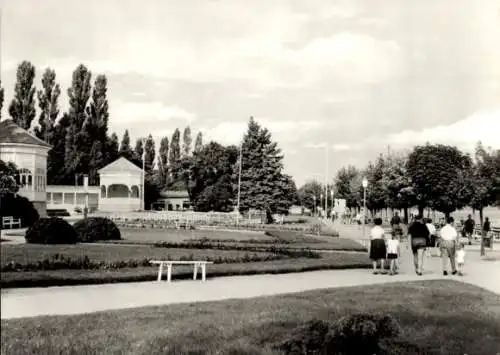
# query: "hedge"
(52, 230)
(94, 229)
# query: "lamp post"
(320, 200)
(314, 205)
(333, 202)
(86, 190)
(143, 201)
(365, 185)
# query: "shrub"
(19, 207)
(93, 229)
(52, 230)
(358, 334)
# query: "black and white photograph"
(229, 177)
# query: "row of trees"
(82, 145)
(435, 176)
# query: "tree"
(22, 107)
(149, 148)
(163, 161)
(309, 193)
(1, 98)
(186, 142)
(97, 124)
(9, 183)
(138, 152)
(79, 140)
(174, 158)
(262, 166)
(439, 174)
(211, 184)
(399, 190)
(56, 170)
(198, 145)
(375, 193)
(125, 148)
(48, 102)
(347, 183)
(112, 149)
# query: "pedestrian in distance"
(419, 239)
(378, 250)
(448, 244)
(460, 259)
(469, 225)
(433, 236)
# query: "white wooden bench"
(11, 222)
(170, 263)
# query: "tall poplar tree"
(186, 142)
(22, 107)
(112, 148)
(150, 153)
(48, 98)
(198, 145)
(138, 151)
(163, 160)
(175, 155)
(78, 140)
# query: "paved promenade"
(27, 302)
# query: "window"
(25, 177)
(40, 180)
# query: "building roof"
(174, 194)
(120, 165)
(11, 133)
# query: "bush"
(19, 207)
(52, 230)
(358, 334)
(93, 229)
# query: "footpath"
(26, 302)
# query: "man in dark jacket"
(419, 239)
(469, 228)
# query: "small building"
(171, 200)
(72, 198)
(121, 187)
(30, 156)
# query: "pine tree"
(79, 139)
(48, 102)
(149, 155)
(163, 160)
(186, 142)
(22, 107)
(138, 152)
(175, 156)
(112, 149)
(262, 180)
(1, 99)
(125, 148)
(198, 145)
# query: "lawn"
(437, 317)
(44, 278)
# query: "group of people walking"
(422, 235)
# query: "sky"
(336, 82)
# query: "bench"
(11, 222)
(169, 263)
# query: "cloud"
(126, 113)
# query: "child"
(393, 253)
(460, 259)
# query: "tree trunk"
(481, 230)
(405, 212)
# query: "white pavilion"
(30, 156)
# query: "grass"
(44, 278)
(437, 317)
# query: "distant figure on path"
(378, 250)
(448, 244)
(469, 225)
(460, 259)
(396, 225)
(393, 253)
(486, 231)
(432, 234)
(419, 239)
